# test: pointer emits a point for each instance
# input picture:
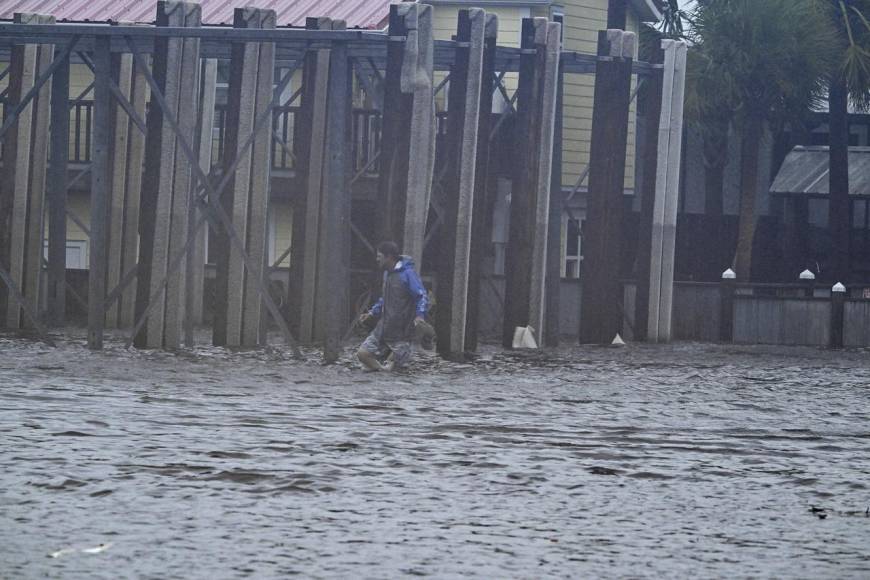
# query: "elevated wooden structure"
(432, 171)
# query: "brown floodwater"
(646, 461)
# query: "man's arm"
(377, 308)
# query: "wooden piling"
(462, 138)
(417, 80)
(133, 198)
(601, 313)
(196, 265)
(100, 188)
(229, 283)
(548, 43)
(57, 195)
(553, 289)
(650, 108)
(518, 258)
(481, 232)
(334, 264)
(312, 308)
(186, 113)
(261, 168)
(16, 169)
(395, 119)
(122, 70)
(33, 270)
(156, 197)
(672, 191)
(526, 258)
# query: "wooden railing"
(365, 144)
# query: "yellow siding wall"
(509, 26)
(583, 20)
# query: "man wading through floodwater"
(401, 308)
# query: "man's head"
(388, 255)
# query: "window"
(571, 245)
(76, 254)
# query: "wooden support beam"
(518, 261)
(417, 80)
(649, 111)
(133, 198)
(481, 232)
(601, 304)
(462, 139)
(552, 310)
(122, 71)
(33, 274)
(667, 193)
(196, 265)
(261, 167)
(57, 195)
(334, 265)
(239, 122)
(156, 197)
(182, 183)
(16, 168)
(548, 42)
(395, 120)
(100, 187)
(302, 145)
(317, 87)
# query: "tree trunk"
(751, 144)
(838, 197)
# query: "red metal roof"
(357, 13)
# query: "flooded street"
(647, 461)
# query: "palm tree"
(849, 80)
(764, 61)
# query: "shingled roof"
(370, 14)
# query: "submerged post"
(838, 310)
(726, 305)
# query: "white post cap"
(807, 275)
(728, 274)
(838, 288)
